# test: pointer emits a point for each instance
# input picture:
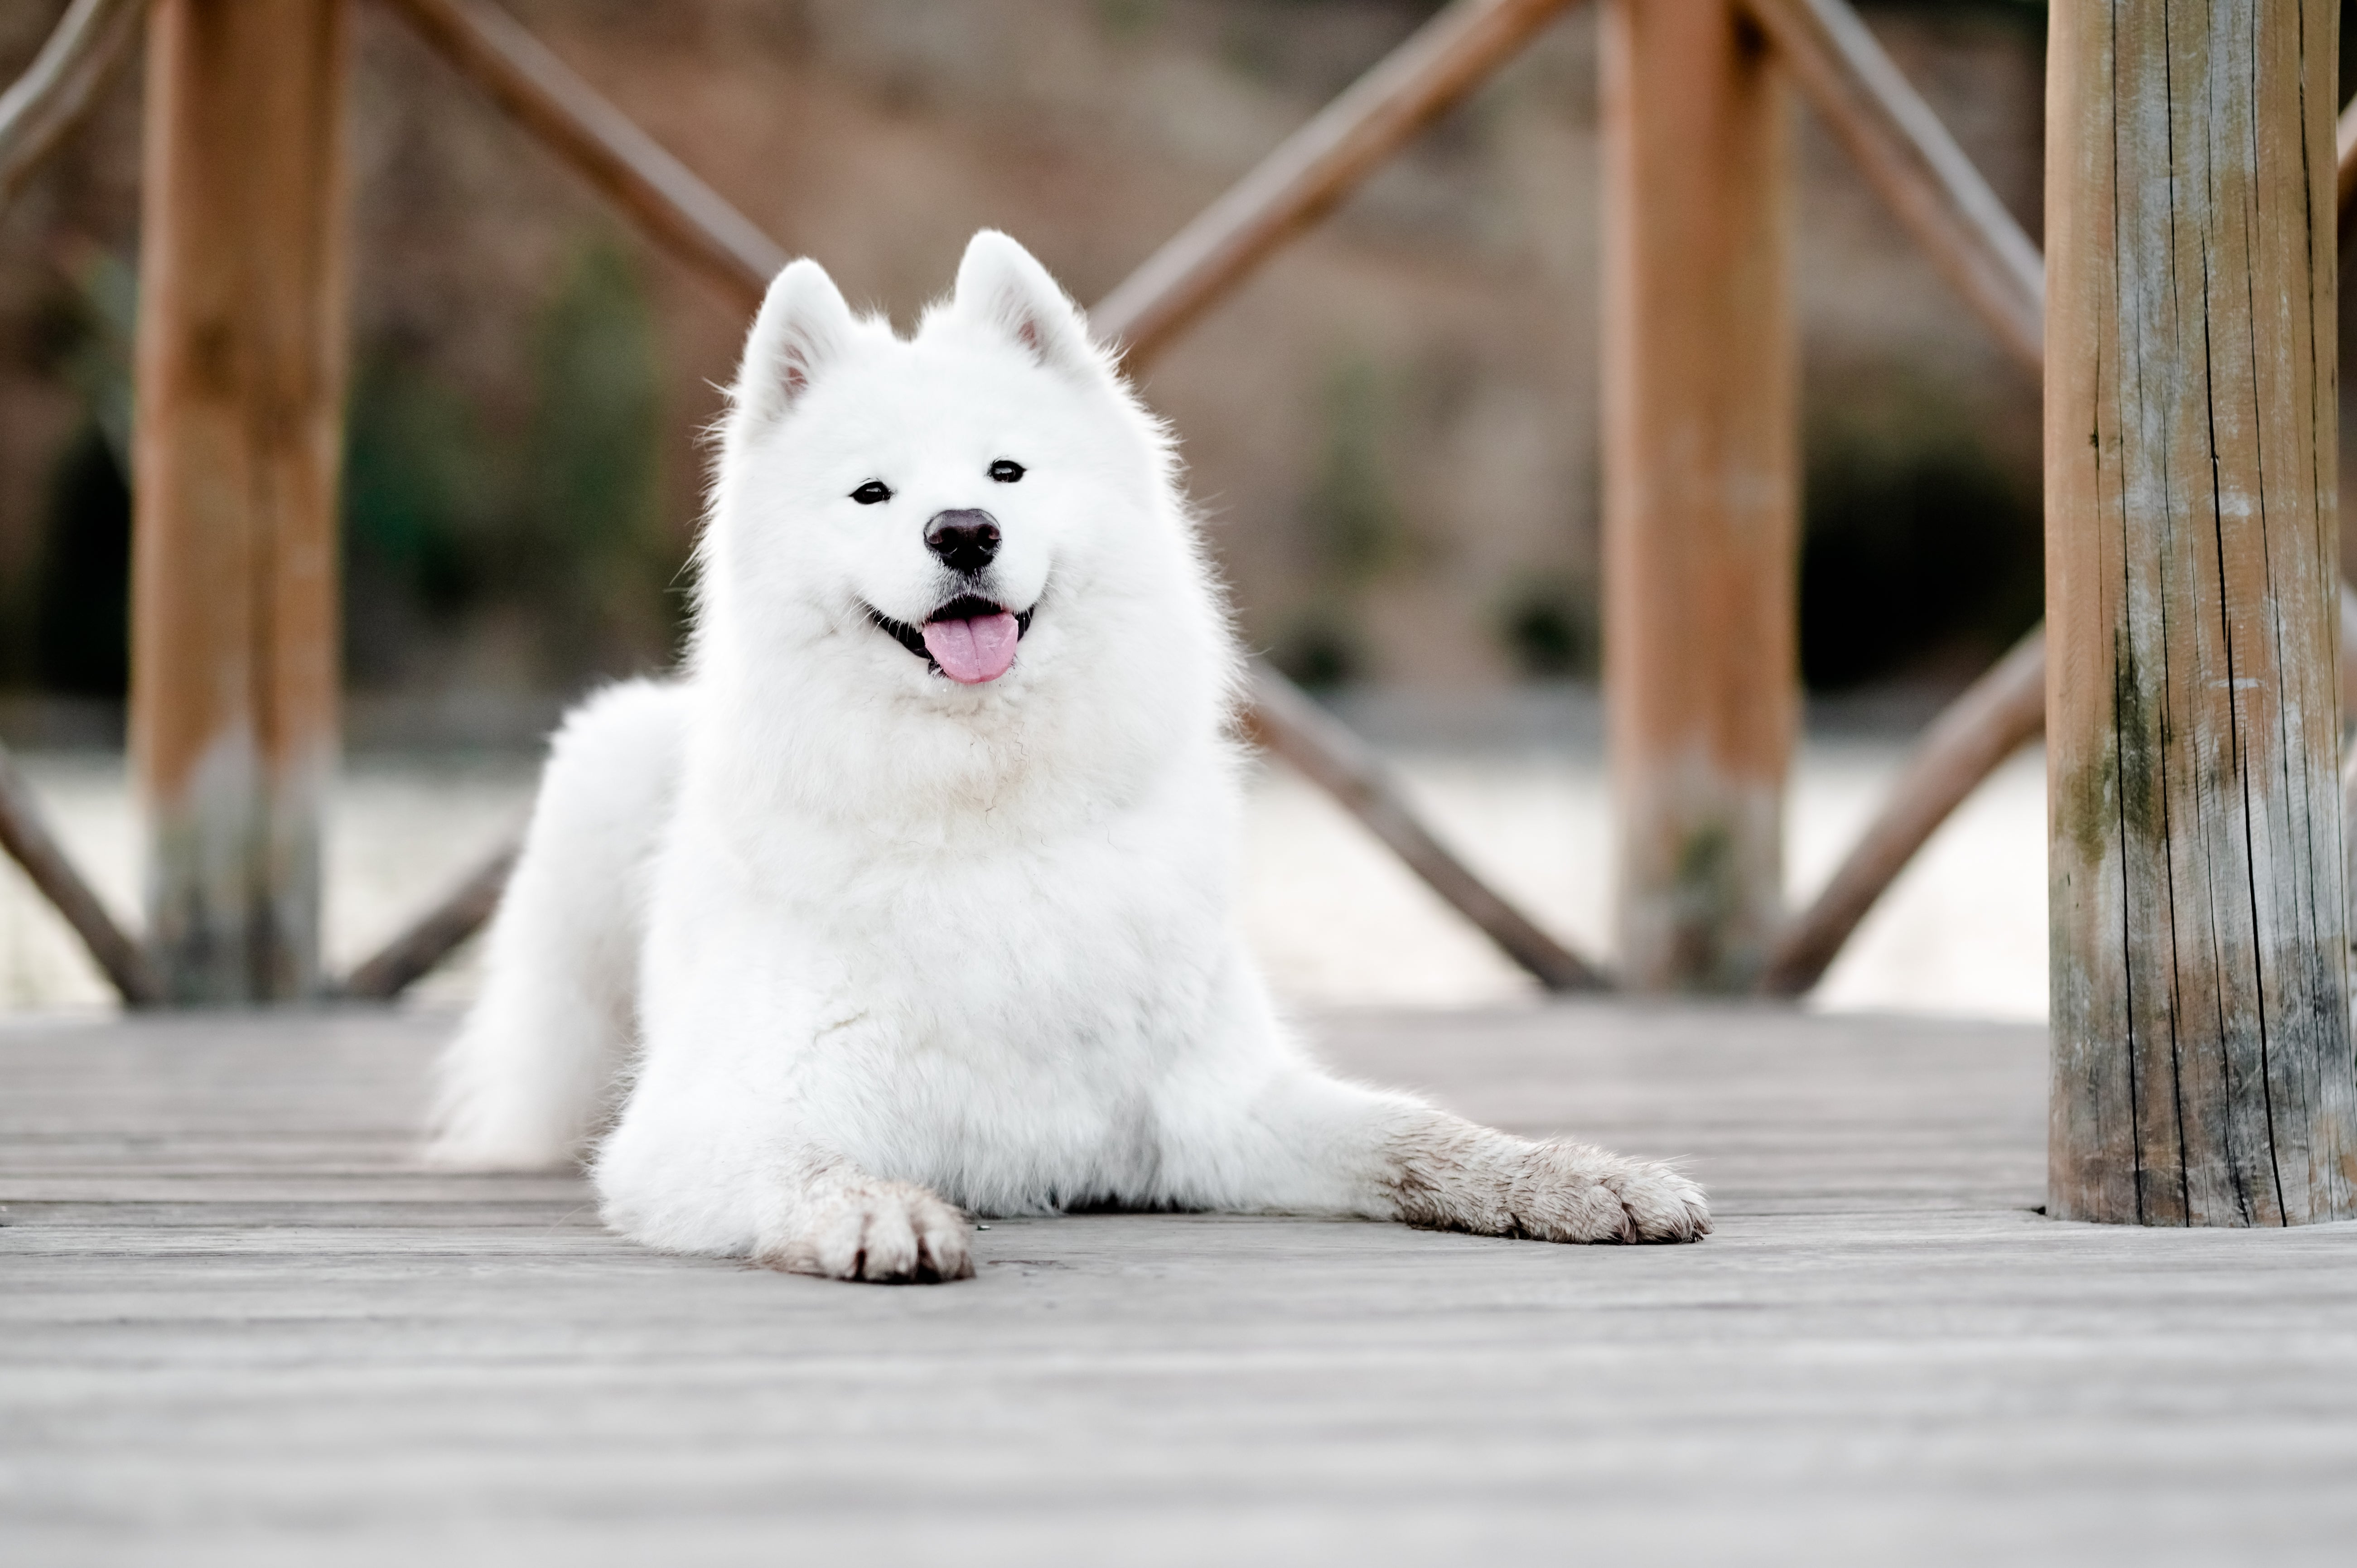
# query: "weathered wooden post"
(1701, 488)
(240, 378)
(2203, 1072)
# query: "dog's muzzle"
(969, 639)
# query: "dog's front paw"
(883, 1232)
(1567, 1193)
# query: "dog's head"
(949, 518)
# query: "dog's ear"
(803, 326)
(1002, 286)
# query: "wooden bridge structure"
(240, 1323)
(2188, 676)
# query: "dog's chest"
(1000, 1028)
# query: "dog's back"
(529, 1078)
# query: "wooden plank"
(1314, 169)
(1914, 164)
(1880, 1347)
(240, 359)
(1700, 489)
(56, 90)
(2202, 1065)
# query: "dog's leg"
(845, 1224)
(722, 1182)
(528, 1076)
(1302, 1142)
(713, 1154)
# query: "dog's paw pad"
(1660, 1205)
(884, 1233)
(1574, 1194)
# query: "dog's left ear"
(1002, 286)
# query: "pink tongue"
(973, 652)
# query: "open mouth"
(969, 639)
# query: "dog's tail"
(531, 1076)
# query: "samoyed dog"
(912, 897)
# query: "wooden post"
(2203, 1072)
(1700, 487)
(240, 377)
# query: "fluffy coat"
(840, 933)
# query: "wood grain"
(1701, 488)
(240, 1326)
(2203, 1067)
(240, 367)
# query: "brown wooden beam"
(240, 367)
(2345, 178)
(1312, 170)
(413, 954)
(676, 210)
(83, 49)
(26, 834)
(1996, 716)
(1289, 725)
(1701, 488)
(2202, 1069)
(1913, 162)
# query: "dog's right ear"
(804, 326)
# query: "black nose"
(965, 540)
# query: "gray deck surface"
(237, 1325)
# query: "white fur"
(903, 944)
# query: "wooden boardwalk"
(241, 1327)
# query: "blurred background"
(1393, 434)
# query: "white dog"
(914, 893)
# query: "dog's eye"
(1006, 471)
(871, 492)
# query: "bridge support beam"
(1700, 487)
(2201, 1070)
(240, 383)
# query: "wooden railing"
(1896, 141)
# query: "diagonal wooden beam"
(600, 143)
(2345, 146)
(1313, 169)
(1421, 79)
(1910, 158)
(57, 90)
(26, 834)
(1996, 716)
(411, 956)
(1288, 723)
